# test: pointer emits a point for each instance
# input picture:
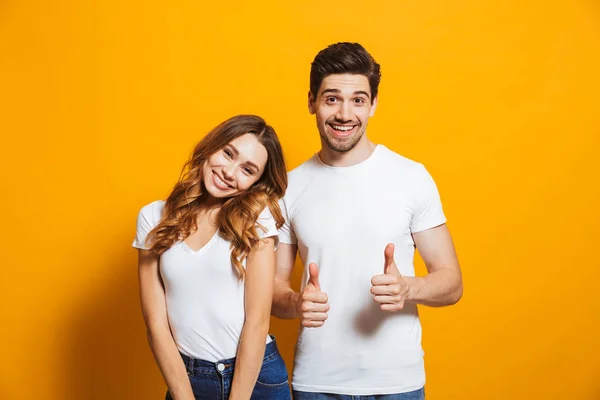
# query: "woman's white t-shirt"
(204, 297)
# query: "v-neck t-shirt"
(204, 296)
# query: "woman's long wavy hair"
(237, 220)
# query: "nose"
(228, 171)
(344, 112)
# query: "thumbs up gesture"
(312, 305)
(390, 289)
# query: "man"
(356, 211)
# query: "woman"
(206, 267)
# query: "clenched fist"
(312, 305)
(390, 289)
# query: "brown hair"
(344, 58)
(238, 215)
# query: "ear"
(311, 103)
(373, 106)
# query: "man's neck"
(363, 150)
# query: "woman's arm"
(260, 271)
(152, 295)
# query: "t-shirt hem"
(138, 245)
(372, 391)
(275, 239)
(286, 240)
(429, 225)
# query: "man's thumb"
(313, 272)
(390, 264)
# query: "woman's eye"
(228, 153)
(248, 171)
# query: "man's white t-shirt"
(342, 218)
(205, 298)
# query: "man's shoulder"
(401, 163)
(303, 171)
(300, 178)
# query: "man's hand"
(312, 303)
(390, 289)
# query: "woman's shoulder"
(152, 212)
(265, 214)
(266, 223)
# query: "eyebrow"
(337, 91)
(237, 153)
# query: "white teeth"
(220, 181)
(343, 128)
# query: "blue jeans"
(418, 394)
(212, 380)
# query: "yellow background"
(101, 103)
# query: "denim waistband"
(195, 364)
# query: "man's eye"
(359, 101)
(331, 99)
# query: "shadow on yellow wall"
(105, 353)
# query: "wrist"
(415, 284)
(185, 396)
(296, 300)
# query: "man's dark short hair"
(344, 58)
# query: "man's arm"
(311, 305)
(285, 300)
(442, 286)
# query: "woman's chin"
(220, 194)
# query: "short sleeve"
(148, 217)
(266, 220)
(286, 232)
(428, 212)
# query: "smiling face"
(235, 168)
(343, 106)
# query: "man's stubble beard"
(342, 147)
